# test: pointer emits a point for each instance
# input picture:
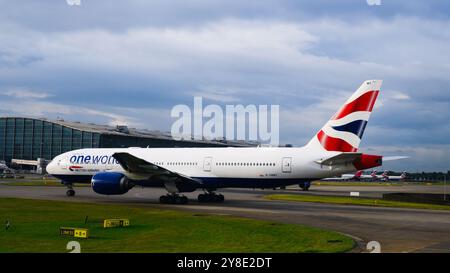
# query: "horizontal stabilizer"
(391, 158)
(340, 159)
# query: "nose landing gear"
(70, 192)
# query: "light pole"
(445, 187)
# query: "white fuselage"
(330, 152)
(394, 177)
(223, 165)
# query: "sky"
(129, 62)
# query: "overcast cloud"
(129, 62)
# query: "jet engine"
(110, 183)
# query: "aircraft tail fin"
(403, 175)
(343, 132)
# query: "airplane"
(370, 177)
(331, 152)
(394, 177)
(376, 177)
(345, 177)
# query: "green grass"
(375, 183)
(35, 228)
(352, 201)
(353, 183)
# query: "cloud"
(167, 49)
(296, 54)
(208, 52)
(25, 93)
(48, 109)
(142, 118)
(397, 95)
(51, 15)
(219, 94)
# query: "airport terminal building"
(25, 140)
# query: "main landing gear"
(173, 199)
(70, 192)
(210, 197)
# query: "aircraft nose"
(51, 167)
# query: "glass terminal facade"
(24, 138)
(29, 139)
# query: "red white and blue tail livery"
(343, 132)
(333, 151)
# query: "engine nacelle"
(109, 183)
(368, 161)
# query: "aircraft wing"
(340, 159)
(136, 165)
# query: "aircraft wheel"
(201, 198)
(179, 199)
(175, 199)
(211, 198)
(164, 199)
(70, 193)
(220, 198)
